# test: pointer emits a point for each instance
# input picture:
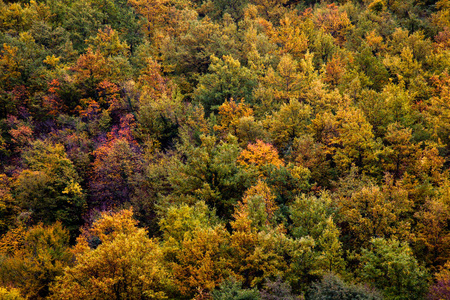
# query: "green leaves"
(50, 188)
(227, 80)
(391, 267)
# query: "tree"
(368, 66)
(259, 154)
(438, 112)
(290, 36)
(329, 248)
(81, 19)
(155, 14)
(259, 205)
(105, 59)
(209, 172)
(309, 214)
(230, 114)
(8, 206)
(33, 258)
(289, 122)
(313, 217)
(400, 152)
(202, 261)
(356, 139)
(391, 267)
(258, 247)
(334, 22)
(432, 231)
(190, 52)
(277, 290)
(398, 102)
(335, 70)
(160, 108)
(349, 138)
(228, 79)
(114, 260)
(312, 155)
(196, 248)
(116, 161)
(372, 211)
(9, 66)
(238, 119)
(50, 187)
(122, 17)
(279, 86)
(271, 9)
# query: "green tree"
(227, 80)
(8, 206)
(50, 188)
(232, 289)
(288, 123)
(390, 266)
(309, 214)
(209, 172)
(313, 217)
(260, 247)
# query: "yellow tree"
(229, 114)
(9, 65)
(438, 112)
(154, 13)
(442, 16)
(350, 139)
(400, 153)
(370, 211)
(31, 259)
(334, 21)
(238, 119)
(125, 264)
(196, 248)
(271, 9)
(289, 35)
(432, 234)
(8, 207)
(10, 294)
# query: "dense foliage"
(213, 149)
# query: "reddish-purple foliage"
(440, 290)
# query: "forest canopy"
(212, 149)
